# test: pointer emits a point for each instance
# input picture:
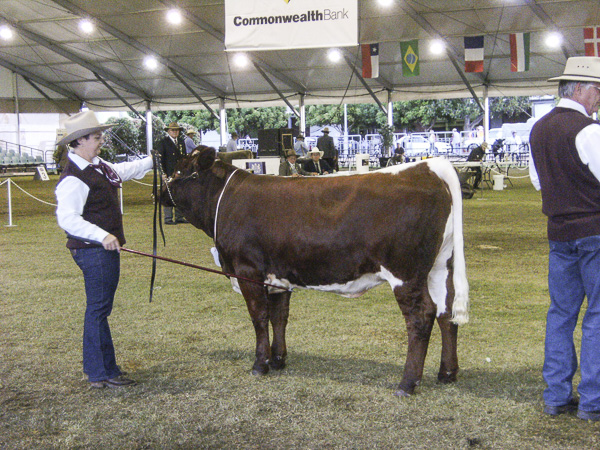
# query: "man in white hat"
(565, 165)
(171, 149)
(316, 165)
(89, 212)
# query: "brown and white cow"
(341, 234)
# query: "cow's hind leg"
(257, 303)
(279, 311)
(419, 313)
(449, 332)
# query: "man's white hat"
(81, 124)
(581, 68)
(315, 150)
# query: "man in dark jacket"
(317, 166)
(327, 146)
(566, 167)
(171, 149)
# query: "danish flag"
(591, 41)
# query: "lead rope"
(219, 204)
(157, 178)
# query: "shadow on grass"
(519, 384)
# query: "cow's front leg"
(279, 311)
(257, 303)
(419, 313)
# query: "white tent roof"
(55, 60)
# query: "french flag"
(370, 60)
(591, 41)
(474, 54)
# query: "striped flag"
(370, 60)
(410, 58)
(591, 41)
(474, 54)
(519, 52)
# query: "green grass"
(191, 349)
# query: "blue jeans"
(574, 273)
(101, 269)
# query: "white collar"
(572, 104)
(81, 162)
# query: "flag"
(410, 58)
(474, 54)
(370, 60)
(591, 41)
(519, 52)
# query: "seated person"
(477, 154)
(316, 165)
(398, 156)
(289, 167)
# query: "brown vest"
(102, 207)
(570, 192)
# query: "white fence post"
(10, 224)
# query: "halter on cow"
(343, 234)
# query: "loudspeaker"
(274, 141)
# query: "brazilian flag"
(410, 58)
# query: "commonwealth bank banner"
(287, 24)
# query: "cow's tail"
(453, 239)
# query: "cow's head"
(187, 168)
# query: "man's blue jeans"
(101, 269)
(574, 273)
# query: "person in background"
(232, 144)
(476, 155)
(289, 167)
(190, 144)
(300, 146)
(315, 165)
(171, 149)
(432, 140)
(328, 151)
(456, 141)
(565, 166)
(88, 210)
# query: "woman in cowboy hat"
(316, 165)
(89, 212)
(566, 167)
(171, 149)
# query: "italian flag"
(519, 52)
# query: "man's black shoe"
(182, 220)
(119, 381)
(558, 410)
(594, 416)
(170, 222)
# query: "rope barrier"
(27, 193)
(143, 184)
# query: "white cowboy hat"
(315, 150)
(81, 124)
(581, 68)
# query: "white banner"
(287, 24)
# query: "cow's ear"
(204, 158)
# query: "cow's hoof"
(260, 369)
(446, 377)
(277, 363)
(401, 393)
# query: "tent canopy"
(50, 65)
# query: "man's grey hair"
(566, 88)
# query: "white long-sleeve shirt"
(71, 195)
(587, 143)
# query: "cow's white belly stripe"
(351, 289)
